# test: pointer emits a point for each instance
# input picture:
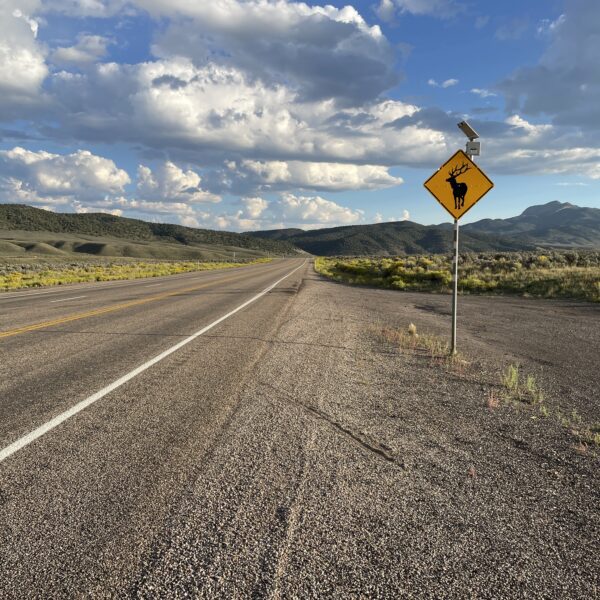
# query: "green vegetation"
(568, 274)
(526, 391)
(17, 276)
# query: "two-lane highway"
(56, 353)
(110, 394)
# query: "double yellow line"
(113, 308)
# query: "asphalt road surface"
(151, 448)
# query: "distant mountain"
(551, 224)
(99, 233)
(554, 224)
(389, 239)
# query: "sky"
(262, 114)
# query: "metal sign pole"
(454, 289)
(472, 149)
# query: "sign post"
(454, 289)
(457, 197)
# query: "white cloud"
(217, 112)
(379, 218)
(180, 209)
(289, 210)
(255, 207)
(532, 130)
(483, 93)
(314, 176)
(88, 49)
(582, 160)
(42, 177)
(22, 61)
(80, 208)
(320, 51)
(314, 210)
(444, 84)
(189, 221)
(548, 27)
(169, 183)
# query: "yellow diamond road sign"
(458, 184)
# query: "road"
(150, 448)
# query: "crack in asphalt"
(357, 438)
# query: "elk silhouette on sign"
(458, 189)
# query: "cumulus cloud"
(169, 183)
(582, 160)
(87, 50)
(322, 52)
(314, 210)
(218, 112)
(45, 178)
(22, 60)
(289, 210)
(255, 207)
(566, 83)
(106, 206)
(281, 175)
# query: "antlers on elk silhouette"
(458, 189)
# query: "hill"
(390, 239)
(26, 229)
(550, 225)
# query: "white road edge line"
(46, 427)
(65, 299)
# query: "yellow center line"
(114, 307)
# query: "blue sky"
(256, 114)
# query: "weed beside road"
(37, 274)
(513, 387)
(568, 274)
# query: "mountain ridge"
(554, 224)
(551, 225)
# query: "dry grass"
(50, 274)
(514, 388)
